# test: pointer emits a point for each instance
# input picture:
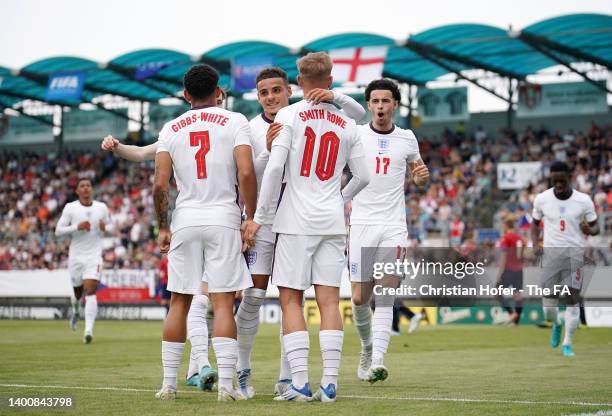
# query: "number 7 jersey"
(386, 155)
(201, 144)
(320, 141)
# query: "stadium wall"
(44, 294)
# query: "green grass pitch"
(443, 370)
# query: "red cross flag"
(358, 65)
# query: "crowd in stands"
(590, 155)
(35, 188)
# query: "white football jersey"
(562, 218)
(201, 144)
(84, 245)
(320, 140)
(386, 155)
(259, 129)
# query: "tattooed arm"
(163, 170)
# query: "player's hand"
(109, 143)
(272, 133)
(250, 230)
(84, 226)
(102, 226)
(421, 175)
(319, 95)
(585, 228)
(163, 240)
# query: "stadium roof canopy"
(152, 74)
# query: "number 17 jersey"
(386, 154)
(201, 143)
(320, 140)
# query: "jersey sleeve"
(242, 133)
(284, 137)
(356, 146)
(413, 148)
(163, 143)
(537, 212)
(64, 225)
(350, 107)
(590, 214)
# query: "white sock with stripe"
(197, 331)
(297, 346)
(226, 351)
(247, 323)
(171, 360)
(572, 319)
(362, 316)
(331, 351)
(383, 318)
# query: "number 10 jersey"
(320, 140)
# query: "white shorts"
(390, 239)
(301, 261)
(207, 253)
(84, 269)
(562, 268)
(259, 257)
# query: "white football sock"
(193, 365)
(297, 346)
(247, 323)
(197, 330)
(362, 316)
(91, 310)
(226, 351)
(285, 368)
(550, 307)
(331, 351)
(572, 319)
(383, 318)
(171, 359)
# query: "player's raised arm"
(163, 170)
(129, 152)
(350, 107)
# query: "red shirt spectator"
(514, 246)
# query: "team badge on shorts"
(354, 268)
(251, 257)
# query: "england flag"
(358, 65)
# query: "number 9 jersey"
(320, 141)
(201, 144)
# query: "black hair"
(85, 178)
(272, 72)
(201, 81)
(383, 84)
(559, 166)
